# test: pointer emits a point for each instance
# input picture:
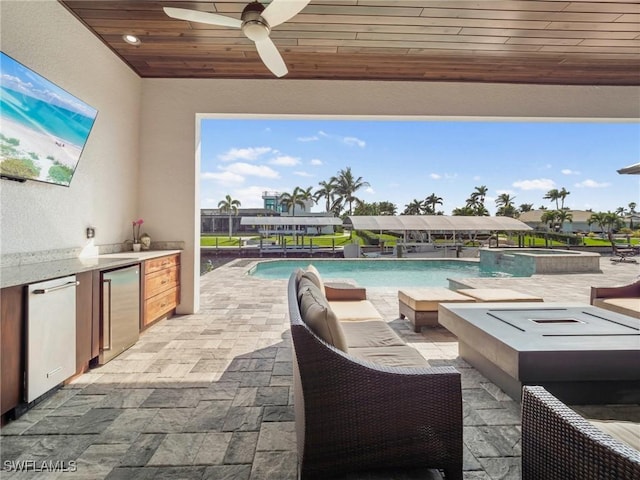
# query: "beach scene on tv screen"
(43, 128)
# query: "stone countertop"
(36, 272)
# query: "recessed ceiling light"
(131, 39)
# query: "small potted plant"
(136, 224)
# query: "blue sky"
(406, 160)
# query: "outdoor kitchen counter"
(36, 272)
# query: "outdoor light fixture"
(131, 39)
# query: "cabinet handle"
(106, 313)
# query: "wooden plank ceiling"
(535, 42)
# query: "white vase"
(136, 247)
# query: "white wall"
(44, 36)
(169, 165)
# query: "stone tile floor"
(207, 396)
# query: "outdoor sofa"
(625, 299)
(558, 443)
(364, 399)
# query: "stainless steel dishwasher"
(120, 322)
(51, 335)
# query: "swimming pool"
(381, 272)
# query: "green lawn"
(318, 241)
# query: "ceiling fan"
(256, 23)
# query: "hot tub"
(530, 261)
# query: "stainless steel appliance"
(120, 300)
(51, 334)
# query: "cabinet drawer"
(160, 304)
(160, 263)
(158, 282)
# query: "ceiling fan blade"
(271, 57)
(279, 11)
(202, 17)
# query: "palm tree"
(608, 222)
(230, 206)
(415, 207)
(326, 191)
(525, 207)
(564, 216)
(463, 211)
(480, 193)
(563, 194)
(553, 196)
(505, 204)
(477, 207)
(549, 218)
(297, 197)
(347, 186)
(431, 202)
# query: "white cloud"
(588, 183)
(353, 141)
(370, 190)
(435, 176)
(251, 196)
(303, 174)
(350, 141)
(477, 178)
(568, 171)
(249, 154)
(241, 168)
(534, 184)
(222, 177)
(285, 161)
(315, 161)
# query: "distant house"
(212, 220)
(579, 223)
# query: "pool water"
(381, 272)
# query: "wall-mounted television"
(43, 128)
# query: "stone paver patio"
(207, 396)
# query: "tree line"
(339, 195)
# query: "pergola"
(439, 224)
(436, 223)
(291, 221)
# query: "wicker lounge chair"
(354, 415)
(558, 443)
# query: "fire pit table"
(580, 353)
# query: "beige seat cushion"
(625, 306)
(317, 314)
(498, 295)
(373, 333)
(315, 275)
(396, 356)
(626, 432)
(355, 310)
(428, 299)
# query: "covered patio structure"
(449, 226)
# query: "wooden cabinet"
(161, 288)
(12, 337)
(84, 320)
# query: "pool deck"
(209, 395)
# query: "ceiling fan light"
(255, 30)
